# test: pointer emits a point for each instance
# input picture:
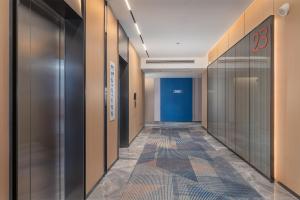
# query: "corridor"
(181, 161)
(149, 100)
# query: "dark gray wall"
(74, 110)
(123, 44)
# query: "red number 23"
(260, 39)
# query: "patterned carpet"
(178, 163)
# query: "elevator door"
(40, 100)
(124, 103)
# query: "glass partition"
(230, 98)
(260, 96)
(240, 101)
(210, 98)
(213, 99)
(221, 98)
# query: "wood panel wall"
(236, 31)
(256, 13)
(287, 96)
(136, 85)
(95, 47)
(4, 99)
(112, 56)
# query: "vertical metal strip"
(105, 88)
(83, 8)
(13, 100)
(119, 96)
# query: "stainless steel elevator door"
(40, 101)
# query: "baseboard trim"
(139, 132)
(95, 186)
(289, 190)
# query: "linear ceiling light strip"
(136, 27)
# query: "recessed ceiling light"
(127, 4)
(145, 47)
(136, 26)
(137, 29)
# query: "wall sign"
(112, 99)
(261, 39)
(177, 91)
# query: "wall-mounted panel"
(241, 108)
(210, 98)
(242, 86)
(221, 98)
(210, 57)
(215, 98)
(213, 54)
(230, 98)
(204, 98)
(237, 31)
(136, 94)
(212, 110)
(4, 99)
(261, 70)
(197, 99)
(257, 12)
(112, 58)
(222, 45)
(157, 99)
(94, 92)
(149, 100)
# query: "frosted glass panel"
(221, 98)
(230, 98)
(260, 97)
(242, 87)
(213, 99)
(240, 101)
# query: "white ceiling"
(196, 24)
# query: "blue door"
(176, 99)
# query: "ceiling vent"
(170, 61)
